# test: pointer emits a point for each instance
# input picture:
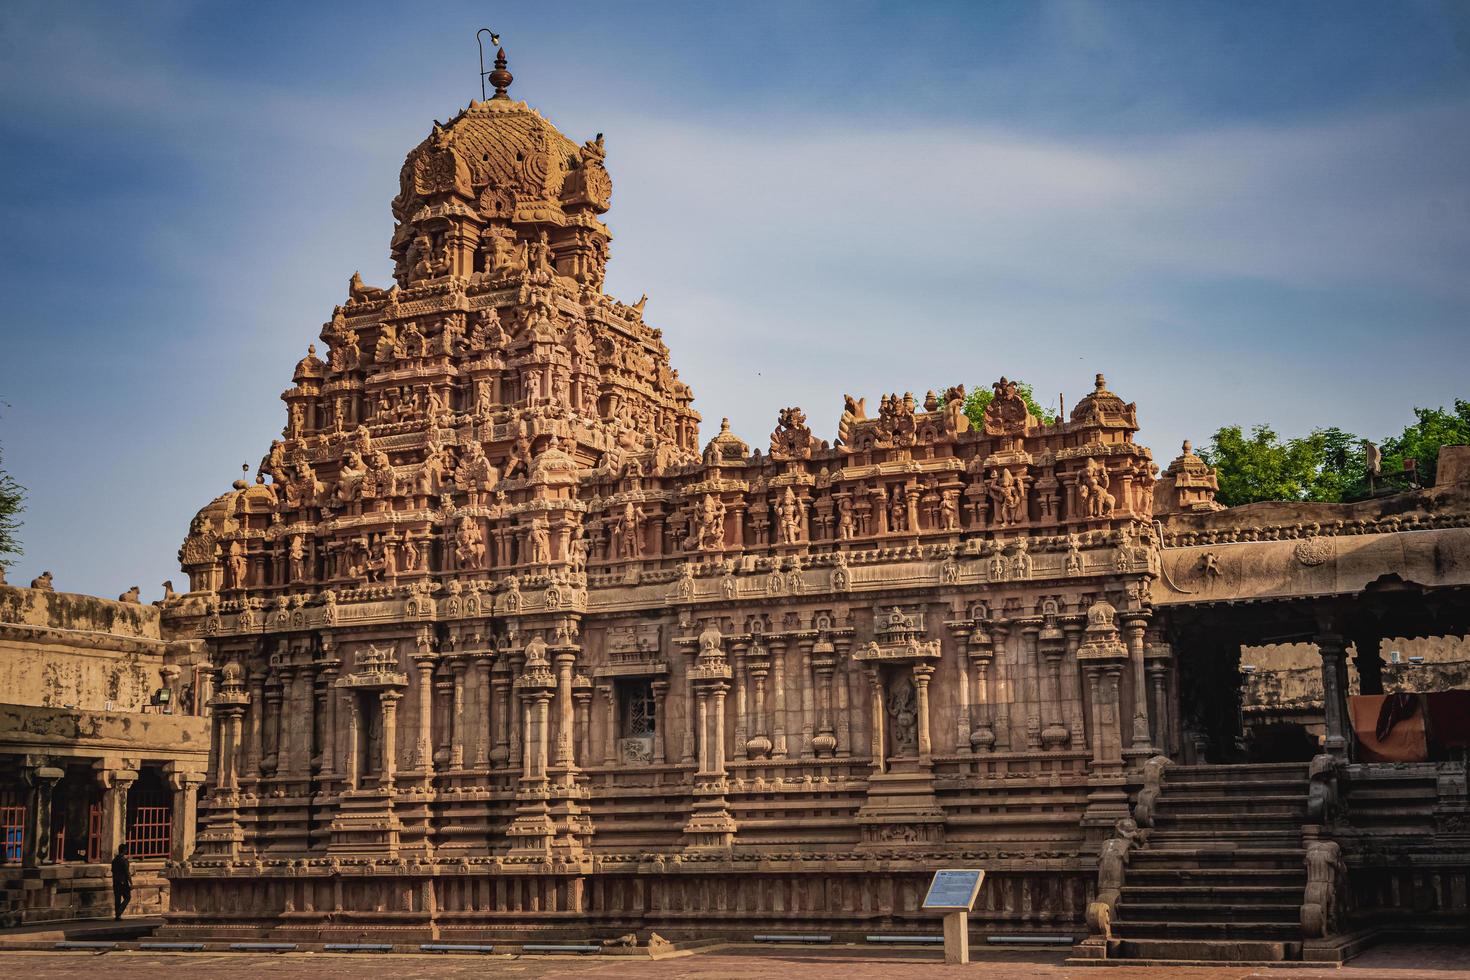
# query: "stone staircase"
(1222, 874)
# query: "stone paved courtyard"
(756, 963)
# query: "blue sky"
(1240, 212)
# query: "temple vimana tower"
(502, 644)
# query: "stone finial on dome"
(500, 77)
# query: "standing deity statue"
(788, 510)
(630, 531)
(297, 555)
(539, 539)
(845, 527)
(469, 544)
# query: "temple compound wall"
(103, 745)
(497, 647)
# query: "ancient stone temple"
(502, 647)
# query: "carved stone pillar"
(922, 673)
(1334, 692)
(824, 742)
(1072, 683)
(566, 717)
(1002, 668)
(582, 744)
(610, 729)
(742, 705)
(500, 687)
(271, 725)
(982, 651)
(37, 834)
(115, 783)
(1052, 646)
(230, 749)
(660, 710)
(758, 743)
(702, 713)
(875, 724)
(185, 786)
(808, 701)
(303, 723)
(482, 715)
(1135, 626)
(253, 750)
(457, 716)
(423, 750)
(1030, 686)
(388, 762)
(778, 680)
(354, 727)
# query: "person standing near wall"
(122, 883)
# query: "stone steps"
(1210, 914)
(1221, 875)
(1234, 929)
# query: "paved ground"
(1396, 962)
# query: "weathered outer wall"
(62, 732)
(71, 651)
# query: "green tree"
(981, 395)
(12, 502)
(1420, 441)
(1324, 465)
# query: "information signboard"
(954, 888)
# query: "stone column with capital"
(457, 716)
(185, 786)
(660, 700)
(1138, 679)
(423, 750)
(922, 673)
(1331, 647)
(42, 779)
(778, 682)
(565, 712)
(483, 698)
(115, 781)
(877, 748)
(388, 761)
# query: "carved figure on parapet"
(520, 456)
(387, 346)
(630, 531)
(845, 523)
(296, 554)
(133, 595)
(792, 438)
(949, 510)
(358, 292)
(955, 419)
(711, 523)
(1092, 487)
(1007, 414)
(474, 474)
(273, 464)
(577, 550)
(539, 538)
(235, 566)
(853, 410)
(903, 715)
(788, 510)
(1074, 554)
(1008, 495)
(349, 478)
(469, 544)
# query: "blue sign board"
(953, 889)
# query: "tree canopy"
(981, 395)
(1327, 464)
(12, 502)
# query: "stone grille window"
(636, 699)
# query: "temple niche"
(499, 644)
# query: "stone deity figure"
(903, 715)
(237, 565)
(897, 515)
(955, 419)
(274, 463)
(469, 544)
(411, 553)
(578, 550)
(484, 399)
(297, 422)
(436, 404)
(297, 555)
(949, 510)
(630, 531)
(788, 527)
(1092, 487)
(844, 519)
(539, 539)
(712, 523)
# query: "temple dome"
(509, 160)
(310, 367)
